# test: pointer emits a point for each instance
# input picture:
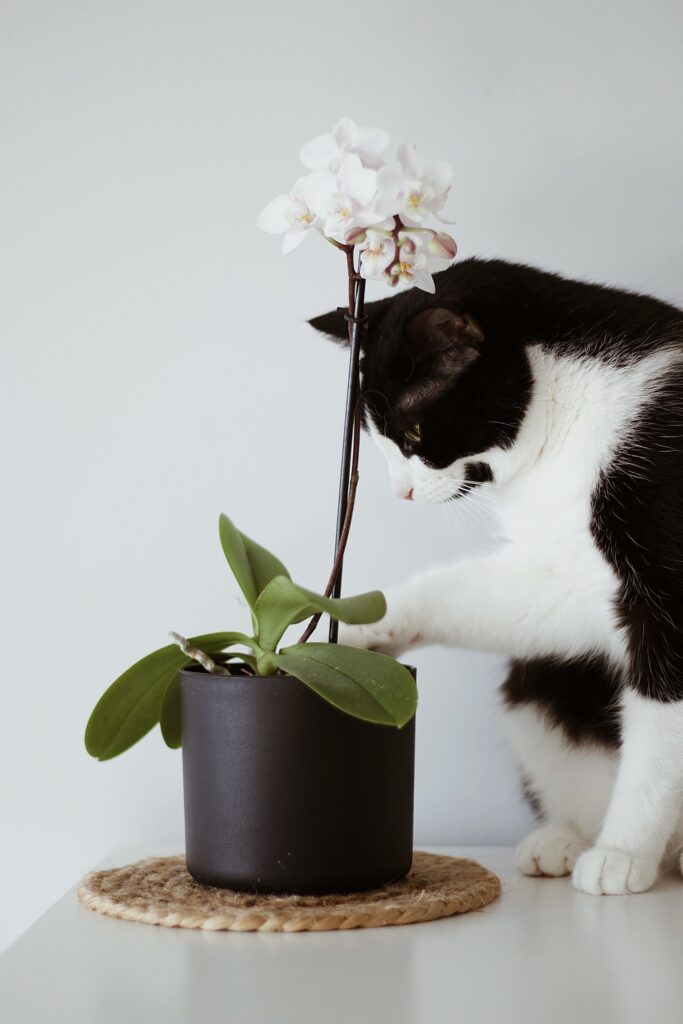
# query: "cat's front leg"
(645, 804)
(428, 609)
(507, 602)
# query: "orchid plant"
(356, 195)
(363, 684)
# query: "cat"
(565, 401)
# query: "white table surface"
(543, 953)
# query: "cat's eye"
(414, 434)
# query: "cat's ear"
(332, 324)
(441, 331)
(336, 327)
(442, 344)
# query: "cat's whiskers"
(464, 516)
(484, 515)
(455, 521)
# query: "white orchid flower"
(343, 201)
(291, 215)
(413, 189)
(413, 269)
(423, 257)
(327, 152)
(428, 184)
(377, 255)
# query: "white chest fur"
(581, 413)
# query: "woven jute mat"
(160, 891)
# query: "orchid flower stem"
(348, 481)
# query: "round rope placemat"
(161, 891)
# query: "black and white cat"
(567, 398)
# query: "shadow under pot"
(284, 793)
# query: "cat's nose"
(409, 495)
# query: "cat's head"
(441, 393)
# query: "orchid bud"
(356, 236)
(442, 245)
(408, 246)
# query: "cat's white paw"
(377, 636)
(612, 872)
(551, 850)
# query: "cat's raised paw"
(551, 850)
(373, 637)
(613, 873)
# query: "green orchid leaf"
(169, 716)
(253, 566)
(284, 602)
(361, 608)
(131, 706)
(363, 684)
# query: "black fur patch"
(638, 524)
(478, 473)
(532, 798)
(579, 696)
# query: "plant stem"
(348, 477)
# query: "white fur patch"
(574, 783)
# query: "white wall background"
(156, 367)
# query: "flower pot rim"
(198, 670)
(203, 685)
